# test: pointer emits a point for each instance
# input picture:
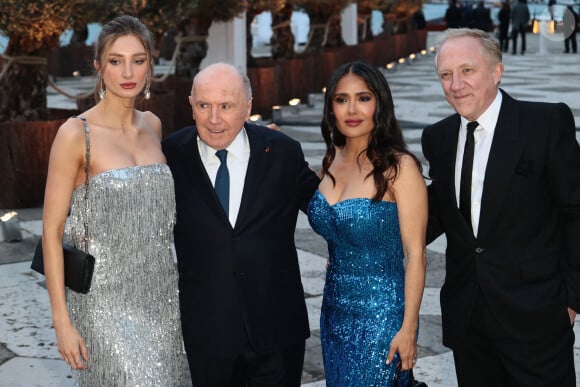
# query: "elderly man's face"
(469, 82)
(220, 105)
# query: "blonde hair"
(489, 44)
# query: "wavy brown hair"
(386, 142)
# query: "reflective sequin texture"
(363, 303)
(130, 318)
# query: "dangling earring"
(147, 86)
(102, 90)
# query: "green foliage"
(35, 24)
(257, 6)
(222, 10)
(320, 10)
(366, 6)
(157, 15)
(386, 5)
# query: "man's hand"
(572, 314)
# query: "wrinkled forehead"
(460, 50)
(222, 82)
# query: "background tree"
(254, 8)
(193, 27)
(398, 14)
(33, 27)
(325, 22)
(364, 12)
(282, 41)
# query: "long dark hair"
(386, 142)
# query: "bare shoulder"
(407, 162)
(68, 147)
(409, 172)
(71, 131)
(406, 165)
(151, 121)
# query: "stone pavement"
(28, 355)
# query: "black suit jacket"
(526, 256)
(242, 281)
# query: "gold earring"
(147, 87)
(102, 90)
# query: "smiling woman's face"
(354, 106)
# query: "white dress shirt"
(237, 162)
(483, 138)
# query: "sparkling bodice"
(130, 317)
(363, 302)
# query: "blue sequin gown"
(363, 302)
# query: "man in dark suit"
(505, 191)
(242, 303)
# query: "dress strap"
(87, 163)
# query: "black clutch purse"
(78, 267)
(412, 382)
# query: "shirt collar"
(488, 119)
(237, 149)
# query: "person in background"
(551, 4)
(371, 207)
(520, 20)
(504, 16)
(238, 189)
(570, 29)
(505, 191)
(126, 330)
(453, 15)
(419, 19)
(481, 17)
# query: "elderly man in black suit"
(242, 302)
(505, 191)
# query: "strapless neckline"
(350, 200)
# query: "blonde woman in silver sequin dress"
(126, 331)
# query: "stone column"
(227, 43)
(349, 24)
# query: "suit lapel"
(505, 152)
(255, 174)
(200, 183)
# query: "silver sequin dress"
(130, 318)
(364, 294)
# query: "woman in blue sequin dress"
(371, 207)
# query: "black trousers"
(249, 369)
(515, 33)
(503, 38)
(485, 358)
(571, 40)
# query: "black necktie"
(466, 171)
(222, 180)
